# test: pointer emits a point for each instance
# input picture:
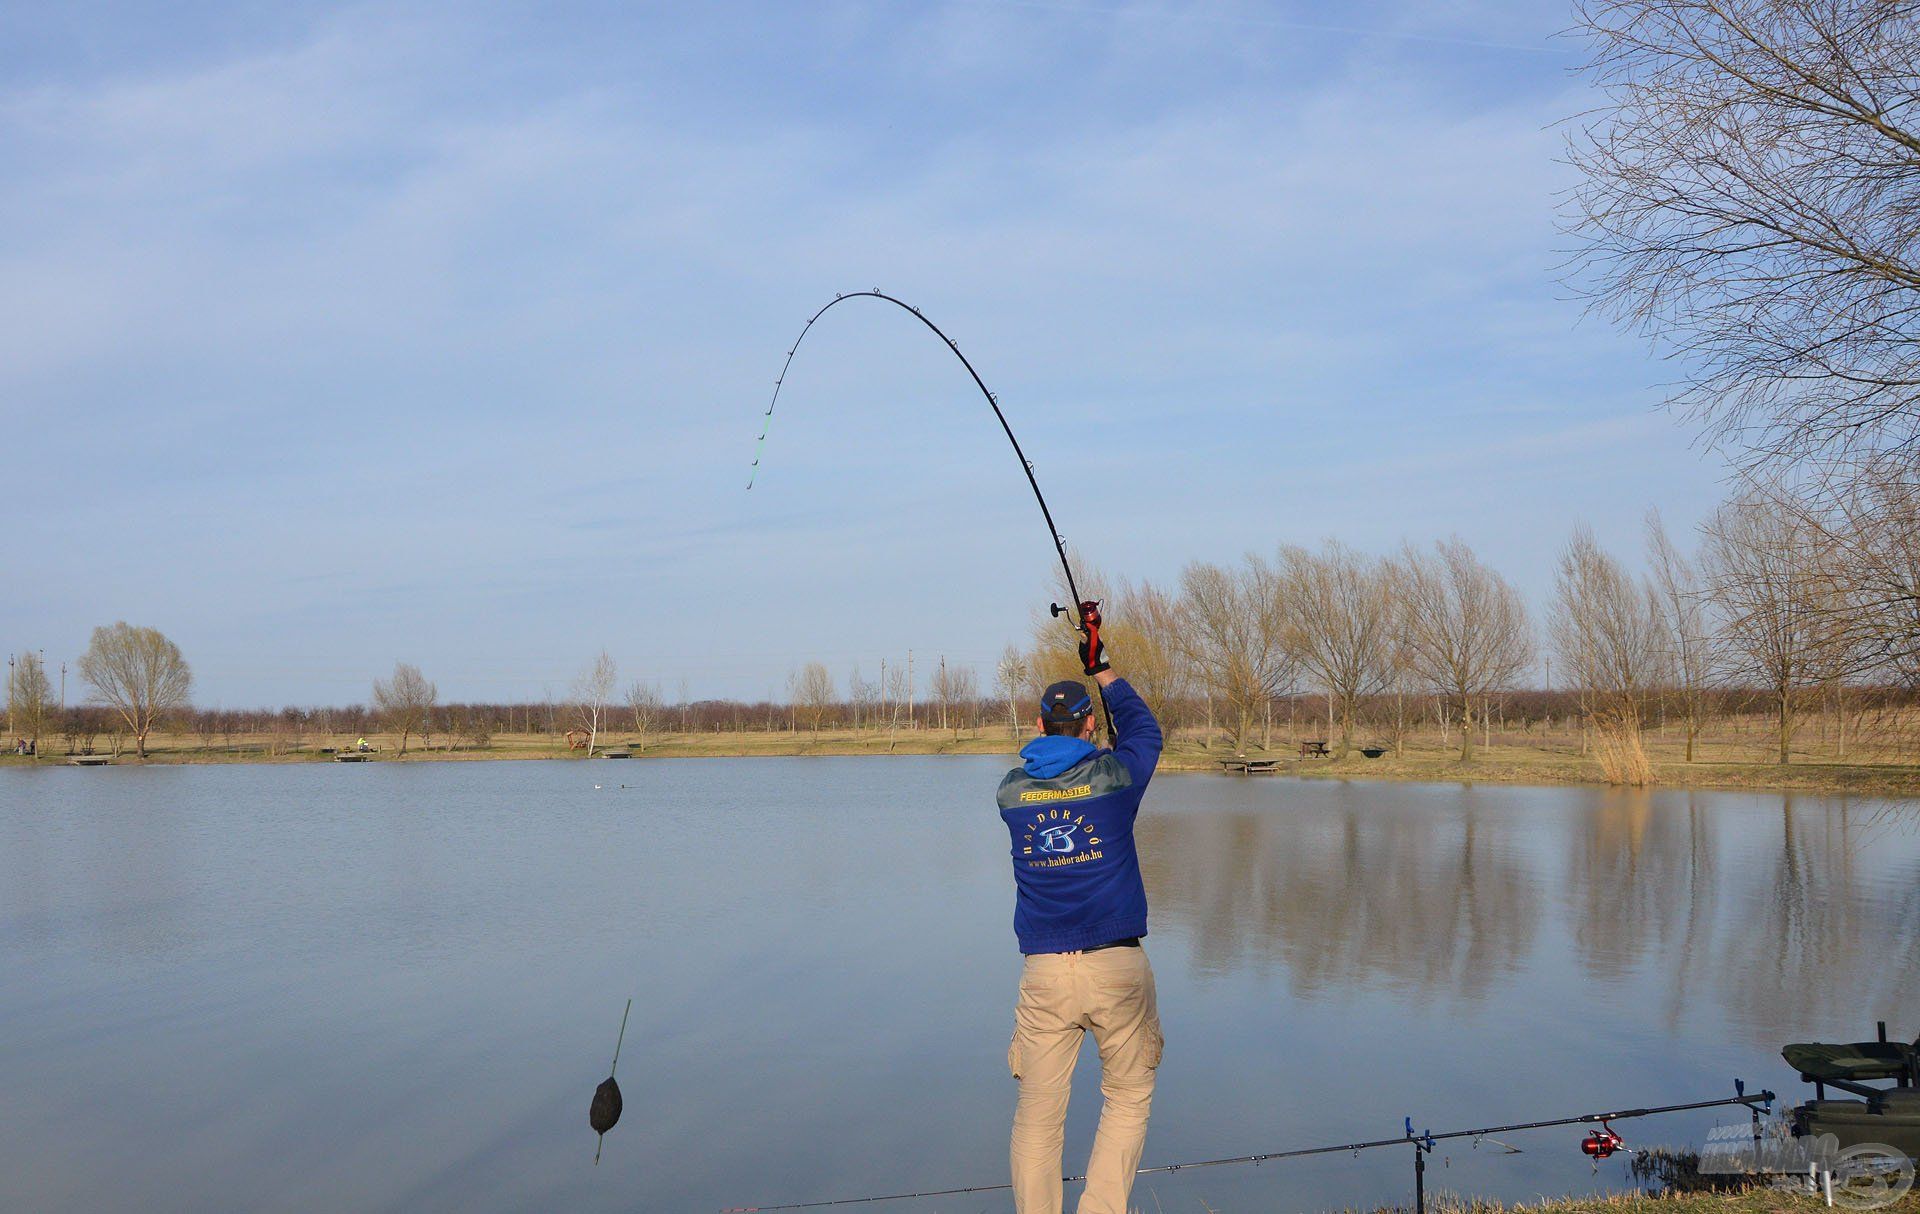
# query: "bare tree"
(1783, 616)
(1233, 630)
(592, 692)
(404, 701)
(1339, 610)
(1464, 628)
(897, 692)
(29, 699)
(1606, 632)
(476, 728)
(1605, 629)
(1009, 681)
(1681, 605)
(963, 695)
(139, 674)
(1752, 200)
(813, 692)
(647, 705)
(862, 696)
(1867, 514)
(942, 688)
(1143, 632)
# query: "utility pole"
(63, 686)
(909, 689)
(943, 691)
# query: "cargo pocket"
(1156, 1043)
(1013, 1056)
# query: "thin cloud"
(1196, 16)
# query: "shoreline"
(1503, 763)
(1758, 1200)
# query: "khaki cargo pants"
(1062, 995)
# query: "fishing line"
(1026, 465)
(604, 1113)
(1422, 1142)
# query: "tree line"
(1774, 609)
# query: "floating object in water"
(604, 1113)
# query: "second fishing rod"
(1598, 1145)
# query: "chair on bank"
(1888, 1115)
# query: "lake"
(394, 986)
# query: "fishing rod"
(1086, 611)
(1421, 1142)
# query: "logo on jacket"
(1058, 794)
(1053, 831)
(1057, 838)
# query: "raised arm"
(1138, 740)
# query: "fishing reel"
(1602, 1143)
(1086, 616)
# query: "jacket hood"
(1047, 756)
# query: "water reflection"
(1371, 894)
(1770, 915)
(426, 961)
(1831, 929)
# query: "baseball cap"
(1066, 701)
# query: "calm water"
(394, 986)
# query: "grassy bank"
(1508, 760)
(1752, 1201)
(1536, 765)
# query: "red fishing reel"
(1089, 617)
(1602, 1143)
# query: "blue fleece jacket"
(1069, 809)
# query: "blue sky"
(335, 336)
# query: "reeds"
(1621, 754)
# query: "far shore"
(1508, 760)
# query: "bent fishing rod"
(1421, 1142)
(1085, 612)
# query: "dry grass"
(313, 748)
(1621, 754)
(1748, 1201)
(1737, 754)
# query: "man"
(1080, 912)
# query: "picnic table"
(1309, 750)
